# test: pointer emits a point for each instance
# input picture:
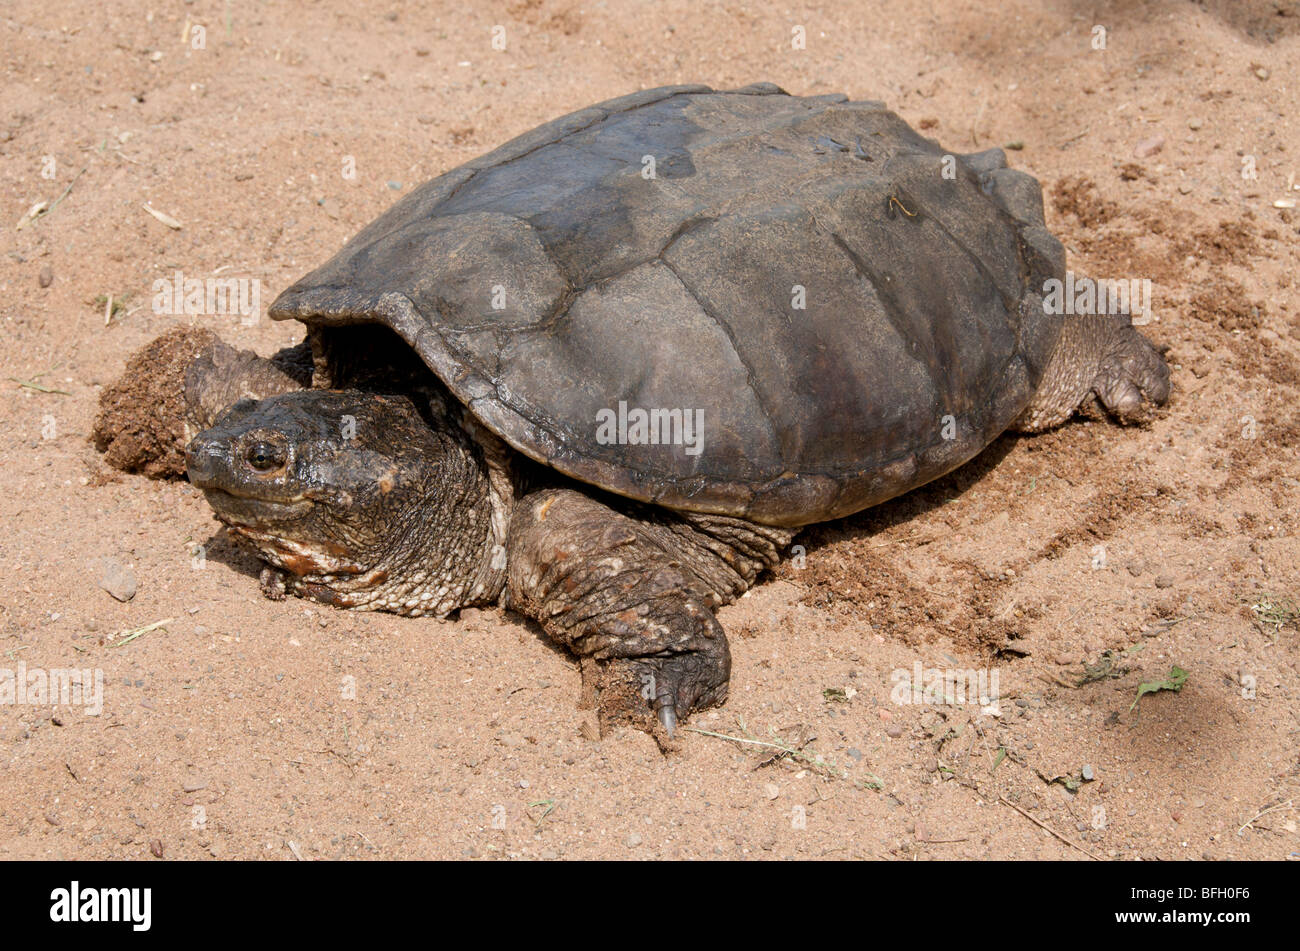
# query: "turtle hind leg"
(633, 594)
(1099, 361)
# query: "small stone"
(632, 841)
(155, 848)
(46, 277)
(1261, 72)
(1149, 147)
(771, 790)
(855, 754)
(1136, 568)
(194, 784)
(1194, 124)
(1087, 773)
(550, 854)
(1164, 581)
(894, 730)
(118, 580)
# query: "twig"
(65, 191)
(1264, 812)
(361, 835)
(1074, 138)
(33, 385)
(740, 739)
(1052, 678)
(129, 636)
(1041, 825)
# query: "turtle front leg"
(177, 385)
(633, 594)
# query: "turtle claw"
(668, 717)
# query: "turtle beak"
(205, 458)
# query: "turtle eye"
(264, 456)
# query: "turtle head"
(354, 498)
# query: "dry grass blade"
(165, 218)
(128, 636)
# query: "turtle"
(603, 375)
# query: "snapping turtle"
(605, 373)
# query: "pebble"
(1149, 147)
(46, 277)
(1261, 72)
(1164, 581)
(118, 580)
(894, 730)
(194, 784)
(1194, 124)
(770, 790)
(632, 841)
(855, 754)
(1088, 774)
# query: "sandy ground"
(249, 729)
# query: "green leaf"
(1177, 677)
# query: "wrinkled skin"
(353, 499)
(357, 501)
(404, 504)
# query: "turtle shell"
(780, 308)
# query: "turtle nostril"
(200, 460)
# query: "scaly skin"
(637, 592)
(418, 511)
(355, 500)
(1103, 358)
